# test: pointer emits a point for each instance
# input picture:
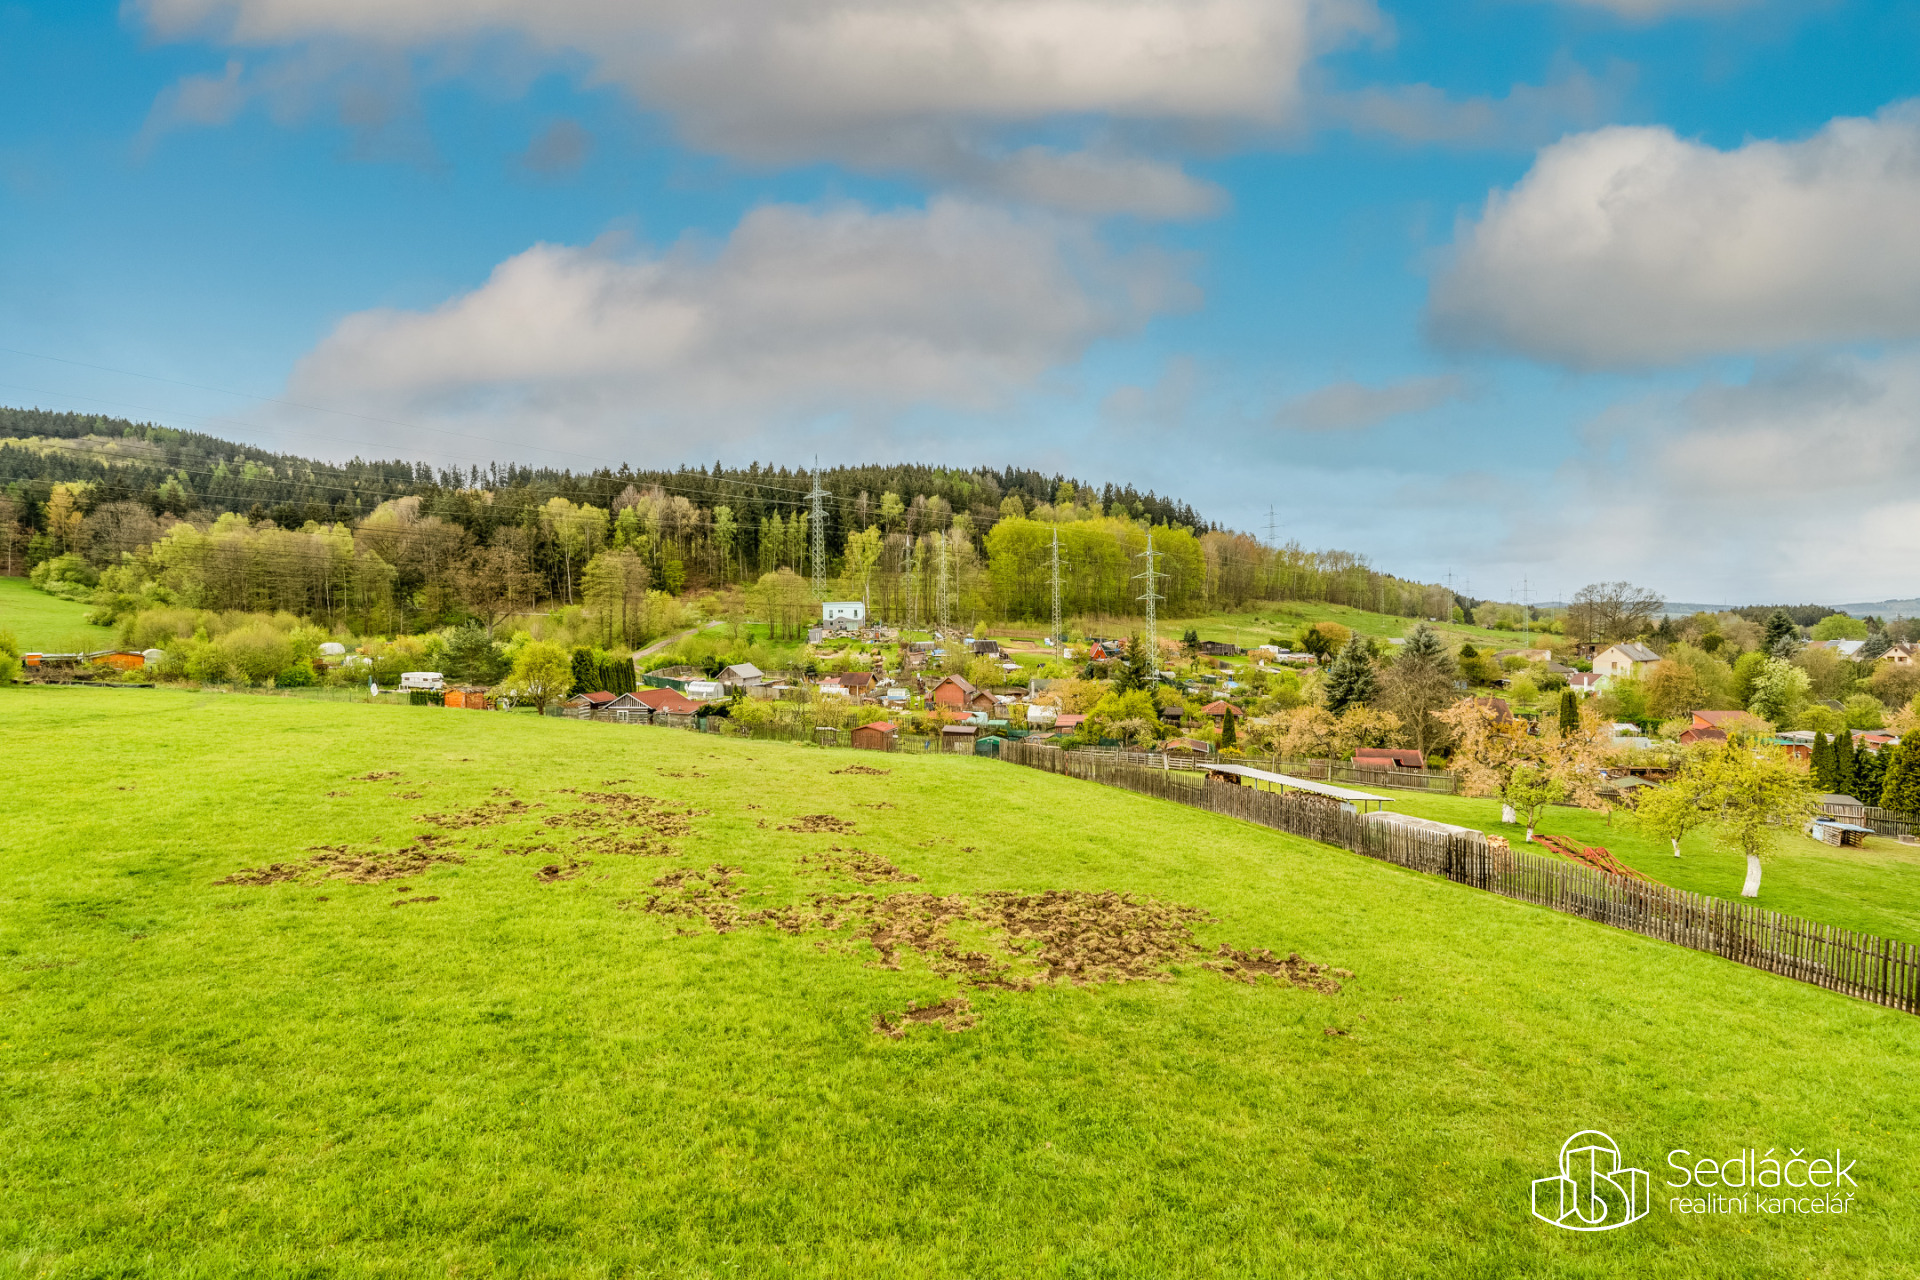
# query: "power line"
(1152, 635)
(819, 531)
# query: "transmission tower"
(1152, 636)
(1057, 637)
(1272, 528)
(940, 585)
(818, 519)
(916, 566)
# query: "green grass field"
(44, 622)
(1875, 889)
(475, 1071)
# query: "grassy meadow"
(514, 1064)
(1875, 889)
(43, 622)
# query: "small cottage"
(881, 735)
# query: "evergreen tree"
(1350, 680)
(586, 673)
(1869, 771)
(1569, 712)
(1843, 763)
(1137, 671)
(1779, 627)
(1820, 762)
(1425, 645)
(1900, 791)
(1227, 736)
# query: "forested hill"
(181, 471)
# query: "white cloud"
(1633, 247)
(935, 88)
(1527, 116)
(1802, 483)
(1351, 406)
(800, 312)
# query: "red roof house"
(668, 700)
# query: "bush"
(300, 675)
(9, 668)
(258, 652)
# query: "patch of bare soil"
(1249, 967)
(334, 795)
(696, 893)
(625, 847)
(272, 873)
(818, 823)
(522, 850)
(407, 795)
(674, 773)
(955, 1014)
(617, 810)
(341, 862)
(431, 897)
(376, 777)
(558, 871)
(868, 770)
(853, 864)
(875, 804)
(481, 815)
(1096, 937)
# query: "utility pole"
(819, 521)
(1152, 636)
(1526, 615)
(1057, 637)
(940, 587)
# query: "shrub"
(258, 652)
(300, 675)
(9, 668)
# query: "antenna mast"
(1152, 636)
(818, 518)
(940, 587)
(1056, 587)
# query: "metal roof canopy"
(1358, 799)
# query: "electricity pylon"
(818, 518)
(1152, 636)
(1057, 637)
(940, 588)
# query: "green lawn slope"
(44, 622)
(511, 1075)
(1875, 889)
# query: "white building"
(843, 613)
(1623, 660)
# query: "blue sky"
(1541, 290)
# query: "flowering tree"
(1749, 796)
(1495, 755)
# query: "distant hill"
(1908, 608)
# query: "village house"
(1586, 681)
(1218, 711)
(1219, 649)
(581, 706)
(1625, 659)
(666, 701)
(742, 675)
(626, 709)
(1388, 758)
(1900, 655)
(881, 735)
(954, 693)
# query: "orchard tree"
(542, 672)
(1755, 794)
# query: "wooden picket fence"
(1857, 964)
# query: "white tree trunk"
(1676, 846)
(1752, 888)
(1529, 833)
(1506, 814)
